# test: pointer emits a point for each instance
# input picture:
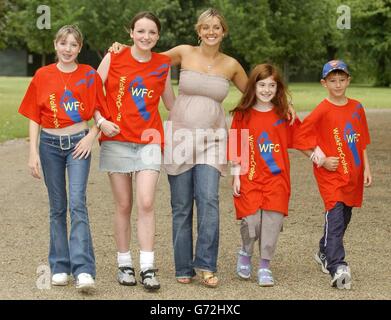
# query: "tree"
(4, 7)
(103, 24)
(370, 37)
(178, 18)
(22, 23)
(249, 34)
(288, 33)
(301, 30)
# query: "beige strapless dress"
(196, 130)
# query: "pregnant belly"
(197, 114)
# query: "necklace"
(65, 83)
(211, 63)
(69, 77)
(71, 68)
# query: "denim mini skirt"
(127, 157)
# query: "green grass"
(305, 97)
(12, 124)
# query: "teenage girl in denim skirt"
(135, 79)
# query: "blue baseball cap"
(334, 65)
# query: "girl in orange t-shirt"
(261, 184)
(135, 79)
(61, 98)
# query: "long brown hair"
(249, 98)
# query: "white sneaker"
(265, 278)
(342, 278)
(85, 283)
(60, 279)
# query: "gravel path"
(24, 236)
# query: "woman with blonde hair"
(204, 83)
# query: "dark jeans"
(201, 183)
(76, 255)
(331, 244)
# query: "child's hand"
(318, 157)
(116, 47)
(367, 177)
(83, 147)
(236, 186)
(109, 129)
(291, 114)
(331, 163)
(34, 164)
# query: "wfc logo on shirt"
(71, 106)
(269, 147)
(138, 93)
(351, 138)
(141, 92)
(266, 148)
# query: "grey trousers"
(264, 226)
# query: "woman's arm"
(168, 95)
(239, 78)
(34, 161)
(176, 54)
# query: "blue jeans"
(76, 255)
(201, 183)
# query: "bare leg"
(121, 186)
(146, 182)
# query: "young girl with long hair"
(261, 183)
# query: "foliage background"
(297, 35)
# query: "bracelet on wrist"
(99, 122)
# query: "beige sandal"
(209, 279)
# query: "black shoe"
(149, 279)
(126, 276)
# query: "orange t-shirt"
(133, 91)
(266, 184)
(51, 105)
(340, 131)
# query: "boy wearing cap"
(339, 127)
